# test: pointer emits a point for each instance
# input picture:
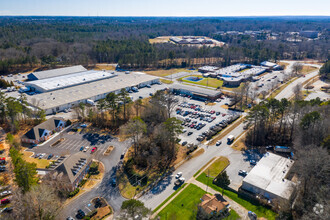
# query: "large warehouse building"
(66, 91)
(268, 177)
(55, 72)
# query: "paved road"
(105, 189)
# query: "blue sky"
(165, 7)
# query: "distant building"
(195, 92)
(309, 34)
(231, 81)
(44, 130)
(206, 69)
(268, 178)
(212, 205)
(68, 172)
(271, 65)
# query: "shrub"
(73, 193)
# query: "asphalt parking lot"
(72, 143)
(202, 108)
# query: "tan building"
(211, 205)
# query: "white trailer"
(230, 138)
(89, 101)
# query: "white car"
(178, 175)
(86, 148)
(218, 143)
(184, 130)
(5, 193)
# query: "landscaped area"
(217, 166)
(184, 206)
(41, 163)
(211, 82)
(260, 210)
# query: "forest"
(27, 42)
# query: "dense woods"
(31, 41)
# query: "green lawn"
(168, 198)
(217, 166)
(260, 210)
(184, 206)
(233, 215)
(211, 82)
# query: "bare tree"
(297, 67)
(297, 92)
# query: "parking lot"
(200, 119)
(73, 142)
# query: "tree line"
(31, 42)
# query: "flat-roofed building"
(69, 80)
(195, 92)
(55, 72)
(61, 99)
(268, 177)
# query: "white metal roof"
(194, 89)
(58, 72)
(85, 91)
(68, 80)
(269, 175)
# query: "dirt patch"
(102, 212)
(57, 142)
(108, 151)
(41, 163)
(181, 154)
(239, 144)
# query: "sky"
(217, 8)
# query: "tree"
(297, 67)
(134, 209)
(112, 104)
(222, 180)
(325, 70)
(124, 98)
(134, 129)
(297, 92)
(41, 202)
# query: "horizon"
(170, 8)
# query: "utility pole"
(207, 184)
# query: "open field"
(166, 81)
(184, 206)
(211, 82)
(162, 72)
(104, 67)
(217, 166)
(285, 64)
(307, 69)
(260, 210)
(162, 39)
(41, 163)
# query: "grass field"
(184, 206)
(168, 198)
(41, 163)
(162, 72)
(166, 81)
(211, 82)
(260, 210)
(217, 166)
(308, 69)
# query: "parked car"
(5, 193)
(178, 175)
(253, 162)
(50, 156)
(42, 155)
(190, 133)
(184, 143)
(7, 209)
(81, 148)
(86, 148)
(179, 181)
(5, 201)
(252, 215)
(94, 149)
(80, 214)
(218, 143)
(83, 125)
(242, 172)
(113, 181)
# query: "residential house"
(212, 205)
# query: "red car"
(94, 149)
(5, 201)
(2, 158)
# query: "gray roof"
(58, 72)
(196, 90)
(68, 80)
(60, 97)
(73, 165)
(36, 132)
(269, 175)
